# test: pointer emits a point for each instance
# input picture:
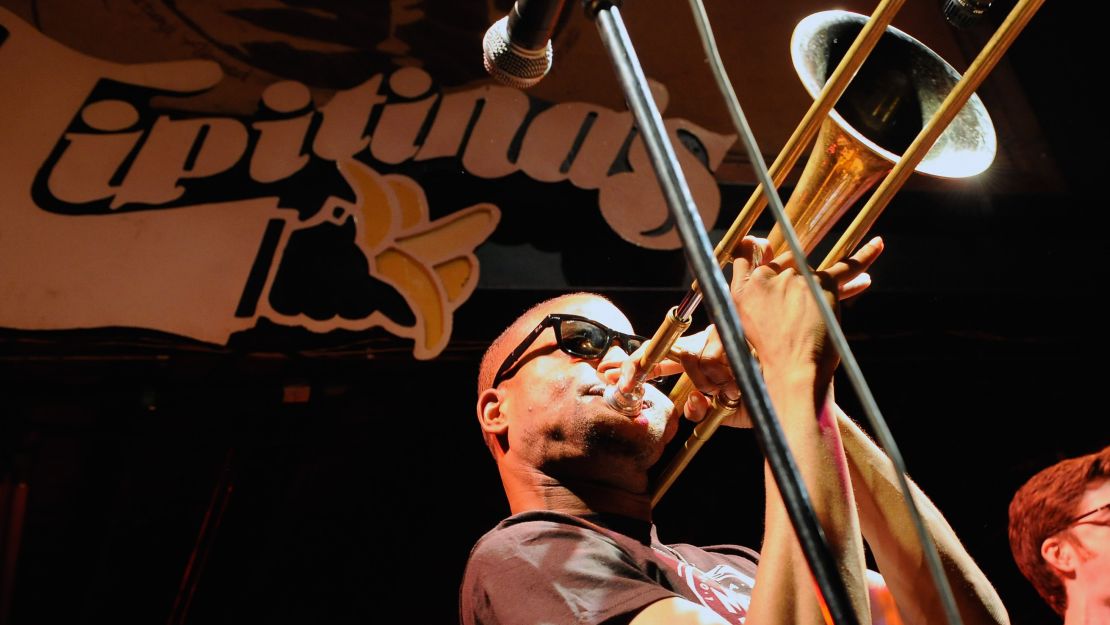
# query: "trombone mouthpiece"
(630, 403)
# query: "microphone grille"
(510, 64)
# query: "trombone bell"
(892, 97)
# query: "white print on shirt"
(723, 589)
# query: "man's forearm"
(889, 531)
(814, 440)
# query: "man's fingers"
(856, 264)
(869, 252)
(753, 250)
(629, 369)
(692, 365)
(696, 406)
(855, 286)
(783, 260)
(750, 254)
(849, 276)
(701, 356)
(684, 351)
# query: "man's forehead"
(590, 306)
(1096, 494)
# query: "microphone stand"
(699, 253)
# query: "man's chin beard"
(611, 443)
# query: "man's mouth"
(599, 391)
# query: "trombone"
(606, 14)
(828, 187)
(854, 150)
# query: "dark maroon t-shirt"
(548, 568)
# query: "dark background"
(336, 486)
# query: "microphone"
(964, 13)
(517, 48)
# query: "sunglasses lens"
(632, 344)
(583, 338)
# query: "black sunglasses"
(577, 336)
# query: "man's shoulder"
(574, 570)
(527, 528)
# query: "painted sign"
(132, 200)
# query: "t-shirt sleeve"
(543, 573)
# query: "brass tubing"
(818, 111)
(914, 154)
(840, 170)
(982, 65)
(720, 408)
(838, 81)
(669, 331)
(659, 347)
(834, 87)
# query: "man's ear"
(1059, 553)
(490, 414)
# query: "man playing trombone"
(580, 546)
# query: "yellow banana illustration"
(431, 263)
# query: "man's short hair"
(499, 348)
(1043, 507)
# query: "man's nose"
(610, 366)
